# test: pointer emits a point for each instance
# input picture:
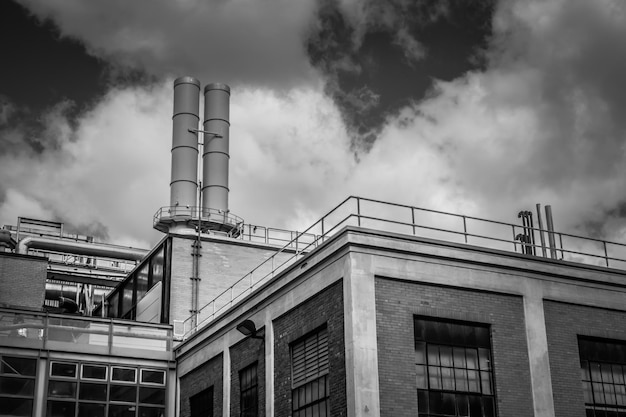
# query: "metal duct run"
(6, 239)
(80, 248)
(216, 144)
(184, 185)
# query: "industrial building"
(377, 309)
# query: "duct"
(6, 239)
(184, 185)
(80, 248)
(216, 147)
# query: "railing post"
(110, 341)
(322, 228)
(465, 228)
(413, 219)
(514, 241)
(561, 242)
(296, 244)
(358, 211)
(606, 254)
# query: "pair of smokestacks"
(215, 155)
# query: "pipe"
(543, 240)
(80, 248)
(6, 239)
(550, 226)
(216, 156)
(184, 185)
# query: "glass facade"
(17, 385)
(453, 369)
(122, 302)
(89, 389)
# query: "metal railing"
(440, 225)
(196, 215)
(84, 335)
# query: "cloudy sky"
(483, 108)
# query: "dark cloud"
(395, 50)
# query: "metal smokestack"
(184, 185)
(216, 148)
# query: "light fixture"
(248, 329)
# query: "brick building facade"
(361, 298)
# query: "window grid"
(453, 370)
(604, 386)
(310, 393)
(96, 392)
(17, 385)
(603, 376)
(249, 397)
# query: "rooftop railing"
(78, 334)
(440, 225)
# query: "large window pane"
(91, 410)
(152, 395)
(17, 407)
(126, 393)
(142, 280)
(66, 370)
(60, 409)
(602, 376)
(93, 392)
(62, 389)
(98, 372)
(456, 362)
(17, 386)
(18, 366)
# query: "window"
(98, 390)
(201, 404)
(309, 369)
(603, 374)
(17, 385)
(249, 397)
(454, 376)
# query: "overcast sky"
(483, 108)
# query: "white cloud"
(542, 124)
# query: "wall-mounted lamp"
(248, 328)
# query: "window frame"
(436, 336)
(310, 392)
(252, 388)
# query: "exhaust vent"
(187, 213)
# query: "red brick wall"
(324, 307)
(242, 355)
(397, 302)
(22, 280)
(208, 374)
(564, 323)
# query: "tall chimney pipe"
(184, 185)
(216, 148)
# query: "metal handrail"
(357, 207)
